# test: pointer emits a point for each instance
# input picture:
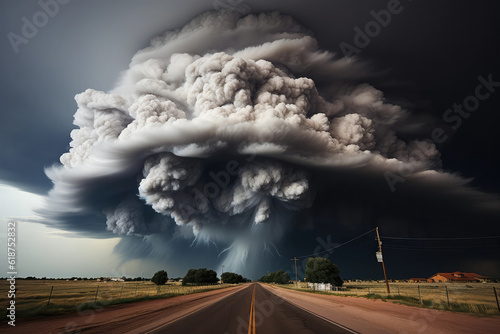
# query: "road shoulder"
(136, 317)
(376, 316)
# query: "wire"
(355, 248)
(441, 247)
(327, 250)
(439, 250)
(411, 247)
(466, 238)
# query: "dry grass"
(68, 296)
(475, 298)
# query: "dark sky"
(428, 58)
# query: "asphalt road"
(256, 308)
(251, 310)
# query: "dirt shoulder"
(136, 317)
(376, 316)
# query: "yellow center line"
(253, 304)
(251, 320)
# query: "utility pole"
(382, 260)
(296, 280)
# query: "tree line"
(279, 277)
(201, 276)
(318, 270)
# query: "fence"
(53, 296)
(467, 297)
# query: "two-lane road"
(253, 310)
(257, 308)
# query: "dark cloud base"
(311, 148)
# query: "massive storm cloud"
(216, 132)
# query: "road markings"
(189, 313)
(251, 320)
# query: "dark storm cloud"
(229, 124)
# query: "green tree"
(322, 270)
(189, 278)
(279, 277)
(160, 277)
(232, 278)
(200, 276)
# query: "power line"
(461, 244)
(327, 250)
(441, 247)
(439, 250)
(465, 238)
(405, 247)
(355, 248)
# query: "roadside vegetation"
(472, 298)
(279, 277)
(322, 270)
(160, 277)
(233, 278)
(44, 297)
(200, 276)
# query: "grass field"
(475, 298)
(32, 296)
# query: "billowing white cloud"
(215, 125)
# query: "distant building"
(418, 280)
(116, 279)
(458, 276)
(113, 279)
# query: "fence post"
(96, 292)
(496, 297)
(398, 291)
(121, 290)
(447, 296)
(52, 288)
(419, 296)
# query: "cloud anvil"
(254, 91)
